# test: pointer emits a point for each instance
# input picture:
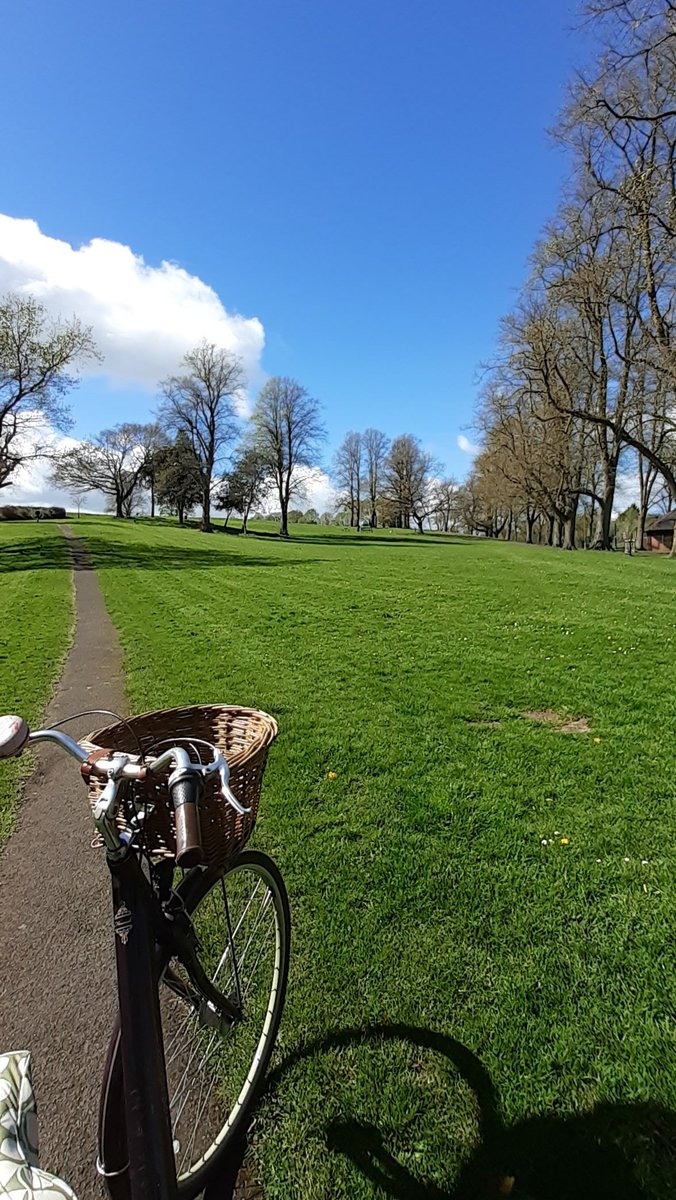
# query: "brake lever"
(220, 764)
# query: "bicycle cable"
(104, 712)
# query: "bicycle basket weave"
(242, 734)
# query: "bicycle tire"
(195, 890)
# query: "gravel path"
(57, 987)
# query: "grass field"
(483, 905)
(37, 613)
(482, 981)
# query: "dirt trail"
(57, 984)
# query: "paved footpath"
(57, 987)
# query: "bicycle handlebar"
(184, 793)
(184, 783)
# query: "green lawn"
(35, 629)
(466, 1002)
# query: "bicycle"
(201, 929)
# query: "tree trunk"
(206, 509)
(181, 513)
(119, 505)
(569, 529)
(284, 524)
(642, 519)
(152, 498)
(601, 538)
(530, 521)
(245, 518)
(550, 529)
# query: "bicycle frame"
(144, 936)
(152, 1170)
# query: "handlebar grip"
(13, 736)
(184, 796)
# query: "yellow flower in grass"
(565, 841)
(597, 741)
(331, 775)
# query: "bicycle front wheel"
(214, 1069)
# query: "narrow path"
(57, 983)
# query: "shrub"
(26, 512)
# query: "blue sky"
(365, 179)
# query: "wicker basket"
(242, 734)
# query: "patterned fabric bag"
(20, 1175)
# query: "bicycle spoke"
(212, 1067)
(231, 940)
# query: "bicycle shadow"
(596, 1155)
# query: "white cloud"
(627, 491)
(314, 490)
(466, 446)
(144, 318)
(31, 484)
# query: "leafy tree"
(627, 524)
(287, 434)
(200, 403)
(311, 517)
(245, 486)
(178, 479)
(37, 356)
(224, 499)
(156, 440)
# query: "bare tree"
(200, 402)
(586, 376)
(36, 355)
(408, 473)
(111, 463)
(287, 434)
(375, 445)
(347, 473)
(445, 504)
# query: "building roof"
(663, 524)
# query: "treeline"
(178, 459)
(583, 385)
(392, 483)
